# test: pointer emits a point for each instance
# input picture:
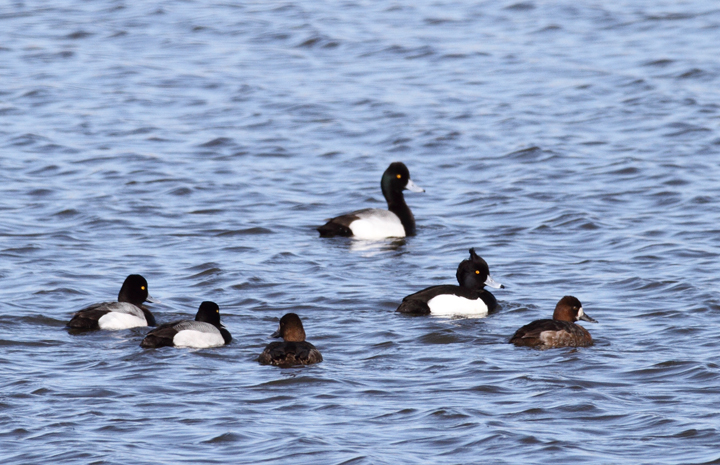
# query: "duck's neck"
(469, 282)
(225, 334)
(136, 302)
(149, 317)
(396, 204)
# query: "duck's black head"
(474, 273)
(209, 312)
(395, 179)
(134, 290)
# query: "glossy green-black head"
(396, 178)
(209, 312)
(134, 290)
(474, 273)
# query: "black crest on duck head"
(472, 272)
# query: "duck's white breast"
(377, 223)
(451, 304)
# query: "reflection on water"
(368, 248)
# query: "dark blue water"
(574, 145)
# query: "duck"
(561, 331)
(469, 298)
(127, 312)
(294, 349)
(376, 223)
(204, 332)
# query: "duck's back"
(417, 303)
(552, 333)
(287, 353)
(162, 336)
(338, 226)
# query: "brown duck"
(561, 331)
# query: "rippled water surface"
(573, 144)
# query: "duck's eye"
(477, 271)
(217, 311)
(142, 288)
(399, 176)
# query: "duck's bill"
(492, 283)
(585, 317)
(411, 186)
(152, 300)
(275, 334)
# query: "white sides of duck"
(122, 315)
(450, 304)
(376, 223)
(197, 335)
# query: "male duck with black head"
(202, 333)
(376, 223)
(127, 312)
(561, 331)
(294, 350)
(469, 298)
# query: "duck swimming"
(376, 223)
(204, 332)
(127, 312)
(294, 350)
(561, 331)
(469, 298)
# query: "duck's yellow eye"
(142, 288)
(399, 176)
(477, 271)
(217, 311)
